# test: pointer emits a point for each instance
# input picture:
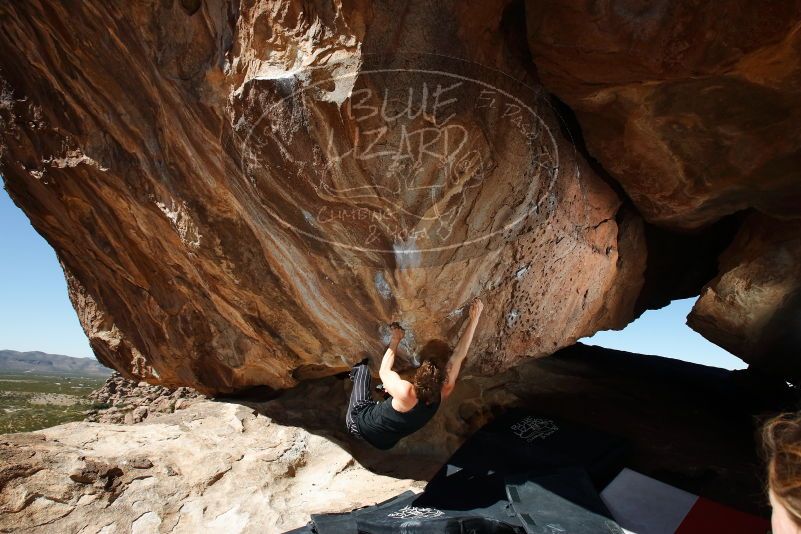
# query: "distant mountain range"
(37, 362)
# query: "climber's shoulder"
(405, 398)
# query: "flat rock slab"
(211, 467)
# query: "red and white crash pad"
(643, 505)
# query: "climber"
(409, 405)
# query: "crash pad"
(645, 505)
(517, 442)
(563, 501)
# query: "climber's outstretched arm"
(393, 383)
(460, 352)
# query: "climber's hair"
(781, 442)
(428, 382)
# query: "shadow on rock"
(689, 425)
(318, 406)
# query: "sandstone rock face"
(753, 307)
(245, 193)
(693, 107)
(212, 467)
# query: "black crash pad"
(564, 501)
(346, 521)
(520, 442)
(410, 517)
(468, 494)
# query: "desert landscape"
(39, 390)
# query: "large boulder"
(753, 307)
(693, 107)
(246, 193)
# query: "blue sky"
(37, 315)
(663, 332)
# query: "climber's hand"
(476, 307)
(397, 333)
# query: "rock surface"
(694, 110)
(753, 307)
(692, 107)
(127, 401)
(247, 193)
(212, 467)
(241, 194)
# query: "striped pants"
(360, 397)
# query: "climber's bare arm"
(460, 352)
(400, 389)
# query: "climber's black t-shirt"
(382, 426)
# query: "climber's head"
(428, 382)
(782, 446)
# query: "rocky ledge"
(120, 400)
(213, 466)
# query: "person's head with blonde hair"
(781, 438)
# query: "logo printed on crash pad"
(413, 511)
(531, 428)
